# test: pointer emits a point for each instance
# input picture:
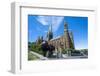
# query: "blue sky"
(39, 25)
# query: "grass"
(32, 57)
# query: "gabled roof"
(56, 38)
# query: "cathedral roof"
(56, 38)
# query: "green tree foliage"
(71, 45)
(35, 47)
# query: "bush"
(35, 48)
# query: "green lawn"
(32, 57)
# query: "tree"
(32, 46)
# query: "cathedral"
(65, 41)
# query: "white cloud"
(48, 20)
(43, 20)
(56, 21)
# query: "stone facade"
(65, 41)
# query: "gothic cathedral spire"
(50, 33)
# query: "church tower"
(66, 36)
(50, 33)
